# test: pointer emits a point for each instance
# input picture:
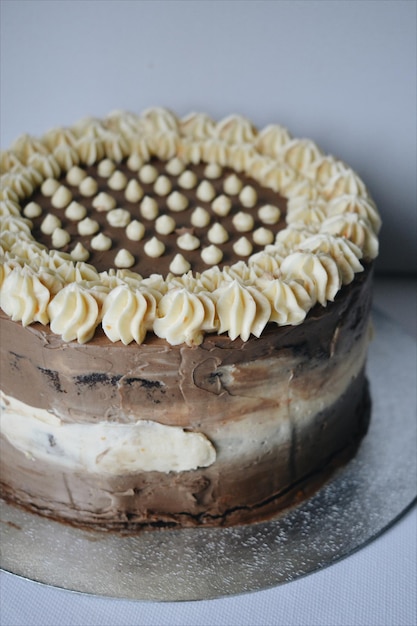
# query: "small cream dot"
(162, 186)
(135, 230)
(106, 168)
(149, 208)
(243, 247)
(248, 197)
(188, 242)
(87, 226)
(60, 238)
(175, 167)
(103, 202)
(263, 236)
(232, 185)
(124, 258)
(177, 201)
(134, 162)
(50, 223)
(187, 180)
(75, 175)
(80, 253)
(75, 211)
(101, 242)
(211, 255)
(243, 222)
(88, 187)
(165, 224)
(200, 217)
(134, 191)
(179, 265)
(269, 214)
(61, 198)
(217, 234)
(205, 191)
(213, 170)
(148, 174)
(49, 186)
(222, 205)
(154, 248)
(117, 180)
(33, 209)
(118, 218)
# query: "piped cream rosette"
(332, 226)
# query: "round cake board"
(357, 504)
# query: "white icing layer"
(105, 448)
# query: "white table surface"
(375, 586)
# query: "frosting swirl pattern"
(326, 234)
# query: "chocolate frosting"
(145, 265)
(111, 380)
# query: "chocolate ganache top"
(165, 216)
(176, 226)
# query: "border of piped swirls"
(332, 228)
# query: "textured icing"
(331, 224)
(104, 448)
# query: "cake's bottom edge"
(277, 504)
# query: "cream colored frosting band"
(331, 230)
(105, 448)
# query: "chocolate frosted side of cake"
(272, 413)
(185, 320)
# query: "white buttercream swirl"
(307, 213)
(344, 252)
(59, 137)
(26, 145)
(24, 298)
(264, 263)
(158, 119)
(9, 208)
(125, 315)
(272, 139)
(90, 149)
(356, 229)
(8, 160)
(301, 153)
(197, 126)
(66, 156)
(236, 129)
(240, 157)
(19, 182)
(116, 147)
(74, 314)
(214, 151)
(183, 317)
(165, 145)
(242, 310)
(347, 182)
(278, 178)
(46, 164)
(324, 169)
(317, 273)
(350, 203)
(16, 224)
(289, 301)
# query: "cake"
(185, 320)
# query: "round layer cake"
(185, 320)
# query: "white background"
(342, 73)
